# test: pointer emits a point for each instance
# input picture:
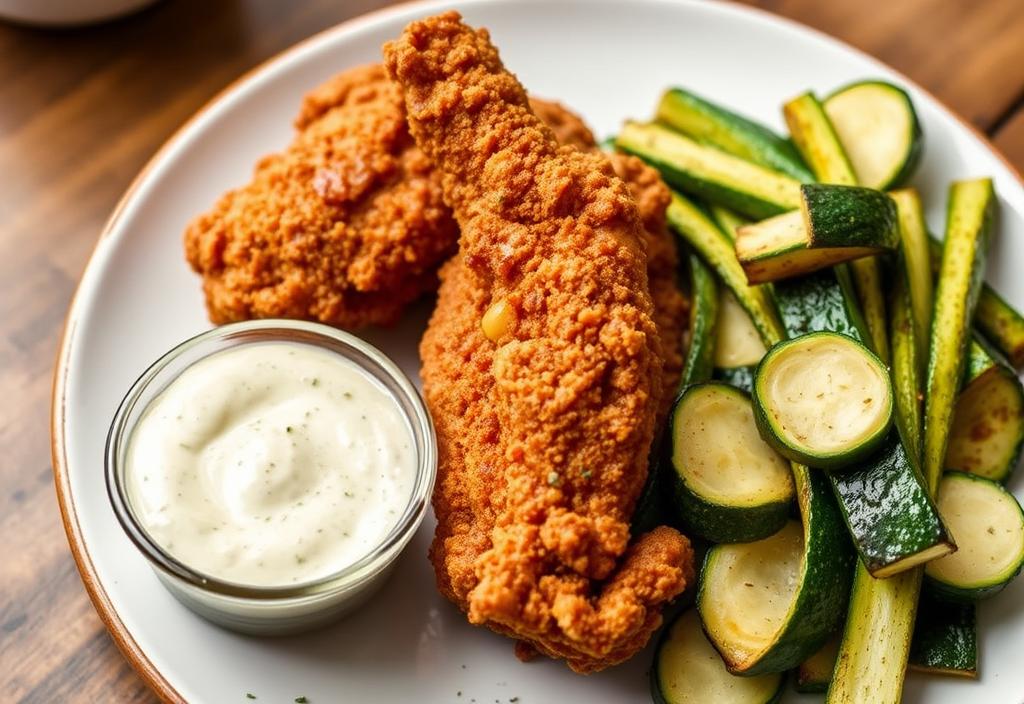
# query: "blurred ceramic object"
(66, 13)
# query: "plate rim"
(123, 639)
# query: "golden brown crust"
(345, 226)
(671, 308)
(544, 431)
(568, 127)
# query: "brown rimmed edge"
(58, 449)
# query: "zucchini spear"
(997, 320)
(834, 224)
(881, 620)
(710, 173)
(819, 144)
(969, 222)
(707, 122)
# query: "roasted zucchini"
(707, 122)
(710, 173)
(687, 670)
(730, 486)
(823, 399)
(834, 224)
(989, 527)
(879, 130)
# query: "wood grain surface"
(81, 110)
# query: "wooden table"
(80, 113)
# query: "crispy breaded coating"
(569, 129)
(347, 225)
(546, 421)
(671, 309)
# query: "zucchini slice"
(695, 228)
(707, 122)
(969, 219)
(687, 670)
(817, 141)
(814, 673)
(998, 321)
(834, 224)
(730, 485)
(768, 605)
(945, 637)
(710, 173)
(737, 342)
(988, 525)
(988, 423)
(823, 399)
(878, 128)
(887, 508)
(704, 318)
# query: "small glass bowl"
(286, 609)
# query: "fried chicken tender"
(544, 422)
(346, 226)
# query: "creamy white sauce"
(271, 464)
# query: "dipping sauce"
(271, 464)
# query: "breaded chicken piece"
(346, 226)
(671, 309)
(545, 421)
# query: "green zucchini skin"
(858, 97)
(887, 508)
(703, 318)
(970, 212)
(710, 173)
(990, 407)
(850, 216)
(740, 377)
(838, 224)
(914, 269)
(717, 522)
(998, 321)
(876, 639)
(707, 122)
(765, 418)
(945, 637)
(822, 301)
(893, 519)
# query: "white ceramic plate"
(609, 60)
